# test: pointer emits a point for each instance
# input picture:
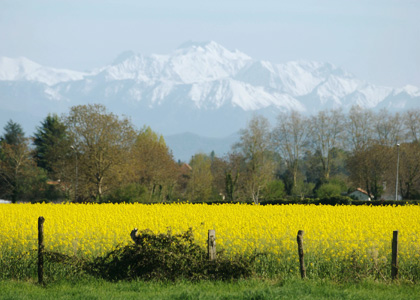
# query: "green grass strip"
(242, 289)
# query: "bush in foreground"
(167, 256)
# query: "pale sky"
(376, 40)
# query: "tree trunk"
(295, 171)
(99, 188)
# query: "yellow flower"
(338, 232)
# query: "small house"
(361, 194)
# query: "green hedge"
(335, 200)
(340, 200)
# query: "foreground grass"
(243, 289)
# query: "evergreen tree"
(230, 185)
(20, 179)
(13, 134)
(50, 143)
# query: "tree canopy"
(102, 142)
(91, 154)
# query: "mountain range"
(201, 88)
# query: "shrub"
(328, 190)
(274, 190)
(129, 193)
(167, 256)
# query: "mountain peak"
(16, 68)
(196, 44)
(210, 47)
(123, 56)
(202, 45)
(412, 90)
(199, 86)
(24, 69)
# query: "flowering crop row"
(331, 231)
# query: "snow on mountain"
(24, 69)
(411, 90)
(199, 86)
(260, 73)
(190, 63)
(301, 78)
(337, 87)
(404, 98)
(367, 96)
(135, 67)
(198, 62)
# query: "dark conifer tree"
(50, 143)
(13, 134)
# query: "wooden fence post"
(300, 252)
(212, 245)
(41, 250)
(394, 263)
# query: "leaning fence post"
(300, 252)
(394, 263)
(212, 245)
(41, 250)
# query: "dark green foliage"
(18, 266)
(20, 179)
(274, 190)
(335, 200)
(53, 192)
(328, 190)
(287, 178)
(167, 257)
(50, 143)
(339, 200)
(157, 257)
(129, 193)
(230, 185)
(13, 134)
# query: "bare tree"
(234, 176)
(388, 128)
(409, 170)
(370, 168)
(412, 124)
(18, 171)
(327, 133)
(359, 128)
(290, 138)
(255, 146)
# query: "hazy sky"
(378, 41)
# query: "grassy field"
(243, 289)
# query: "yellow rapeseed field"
(331, 231)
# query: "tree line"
(92, 155)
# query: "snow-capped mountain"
(199, 87)
(23, 69)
